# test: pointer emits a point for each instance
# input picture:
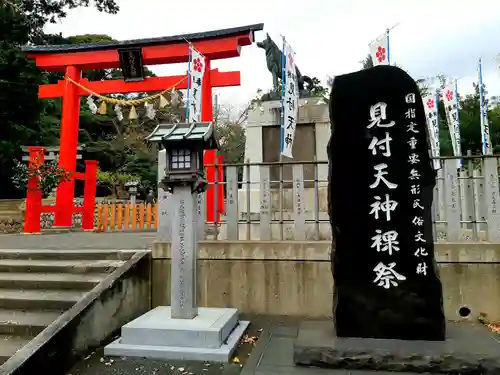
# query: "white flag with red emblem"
(431, 114)
(195, 83)
(290, 101)
(450, 100)
(379, 50)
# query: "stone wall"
(294, 278)
(11, 225)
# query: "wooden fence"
(126, 217)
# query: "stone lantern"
(184, 145)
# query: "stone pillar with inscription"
(380, 197)
(182, 331)
(184, 248)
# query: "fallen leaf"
(494, 327)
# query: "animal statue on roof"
(274, 58)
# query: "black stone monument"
(380, 196)
(388, 307)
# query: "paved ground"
(271, 356)
(276, 357)
(78, 240)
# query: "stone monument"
(386, 280)
(183, 330)
(387, 298)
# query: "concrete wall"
(293, 278)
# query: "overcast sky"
(330, 37)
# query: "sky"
(329, 37)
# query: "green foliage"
(232, 141)
(367, 62)
(319, 89)
(230, 130)
(116, 180)
(48, 176)
(26, 120)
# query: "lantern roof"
(183, 132)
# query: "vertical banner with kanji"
(450, 100)
(485, 128)
(379, 50)
(196, 71)
(290, 100)
(431, 115)
(497, 61)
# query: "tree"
(470, 123)
(231, 133)
(22, 22)
(121, 146)
(367, 62)
(318, 90)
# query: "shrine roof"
(193, 37)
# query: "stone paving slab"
(469, 347)
(273, 355)
(79, 241)
(276, 357)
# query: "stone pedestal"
(468, 349)
(182, 331)
(258, 150)
(210, 336)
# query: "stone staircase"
(37, 286)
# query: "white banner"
(431, 114)
(497, 59)
(194, 95)
(290, 101)
(450, 100)
(485, 127)
(379, 50)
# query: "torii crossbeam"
(73, 59)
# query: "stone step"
(66, 254)
(59, 266)
(10, 214)
(39, 299)
(9, 345)
(62, 281)
(26, 323)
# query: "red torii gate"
(73, 59)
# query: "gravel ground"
(97, 364)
